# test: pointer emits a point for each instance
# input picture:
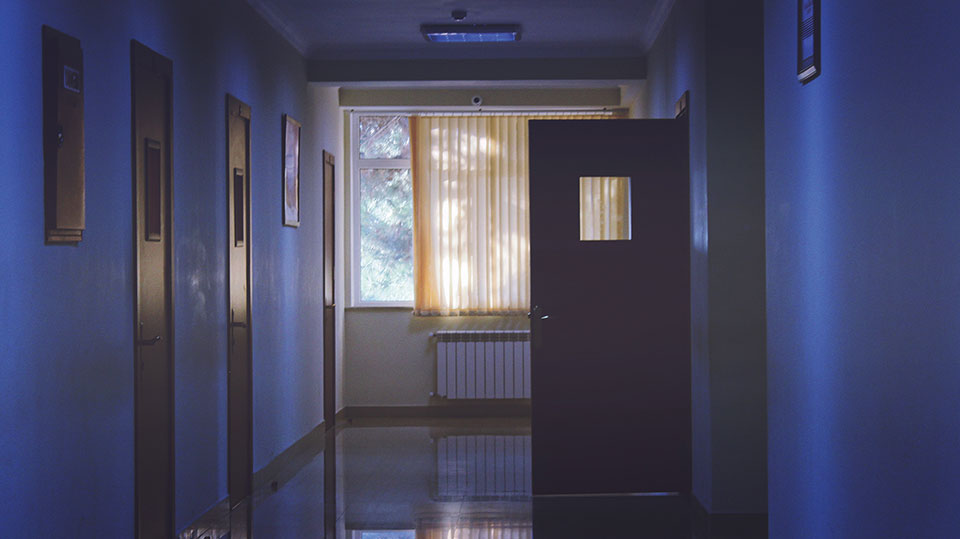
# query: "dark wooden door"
(153, 314)
(329, 303)
(611, 319)
(239, 365)
(330, 508)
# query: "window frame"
(355, 166)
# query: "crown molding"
(655, 24)
(267, 11)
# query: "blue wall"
(863, 273)
(737, 330)
(66, 365)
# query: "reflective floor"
(444, 479)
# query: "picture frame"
(808, 40)
(291, 172)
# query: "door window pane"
(604, 208)
(386, 234)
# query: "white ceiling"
(390, 29)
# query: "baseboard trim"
(471, 409)
(730, 524)
(215, 523)
(285, 465)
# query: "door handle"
(147, 342)
(537, 314)
(234, 324)
(537, 317)
(150, 342)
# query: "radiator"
(483, 364)
(483, 467)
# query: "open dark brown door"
(239, 365)
(329, 304)
(611, 319)
(152, 101)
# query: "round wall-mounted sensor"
(476, 100)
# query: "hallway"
(823, 248)
(448, 479)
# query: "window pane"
(604, 208)
(384, 137)
(386, 234)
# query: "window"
(472, 221)
(383, 211)
(604, 208)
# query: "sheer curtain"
(471, 225)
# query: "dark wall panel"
(677, 63)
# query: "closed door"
(610, 285)
(153, 323)
(329, 305)
(331, 491)
(239, 371)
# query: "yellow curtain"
(604, 208)
(471, 226)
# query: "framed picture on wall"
(291, 172)
(808, 40)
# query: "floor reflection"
(446, 479)
(438, 481)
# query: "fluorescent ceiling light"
(470, 33)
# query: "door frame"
(142, 55)
(243, 111)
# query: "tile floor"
(446, 479)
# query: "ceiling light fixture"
(470, 33)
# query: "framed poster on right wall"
(291, 172)
(808, 40)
